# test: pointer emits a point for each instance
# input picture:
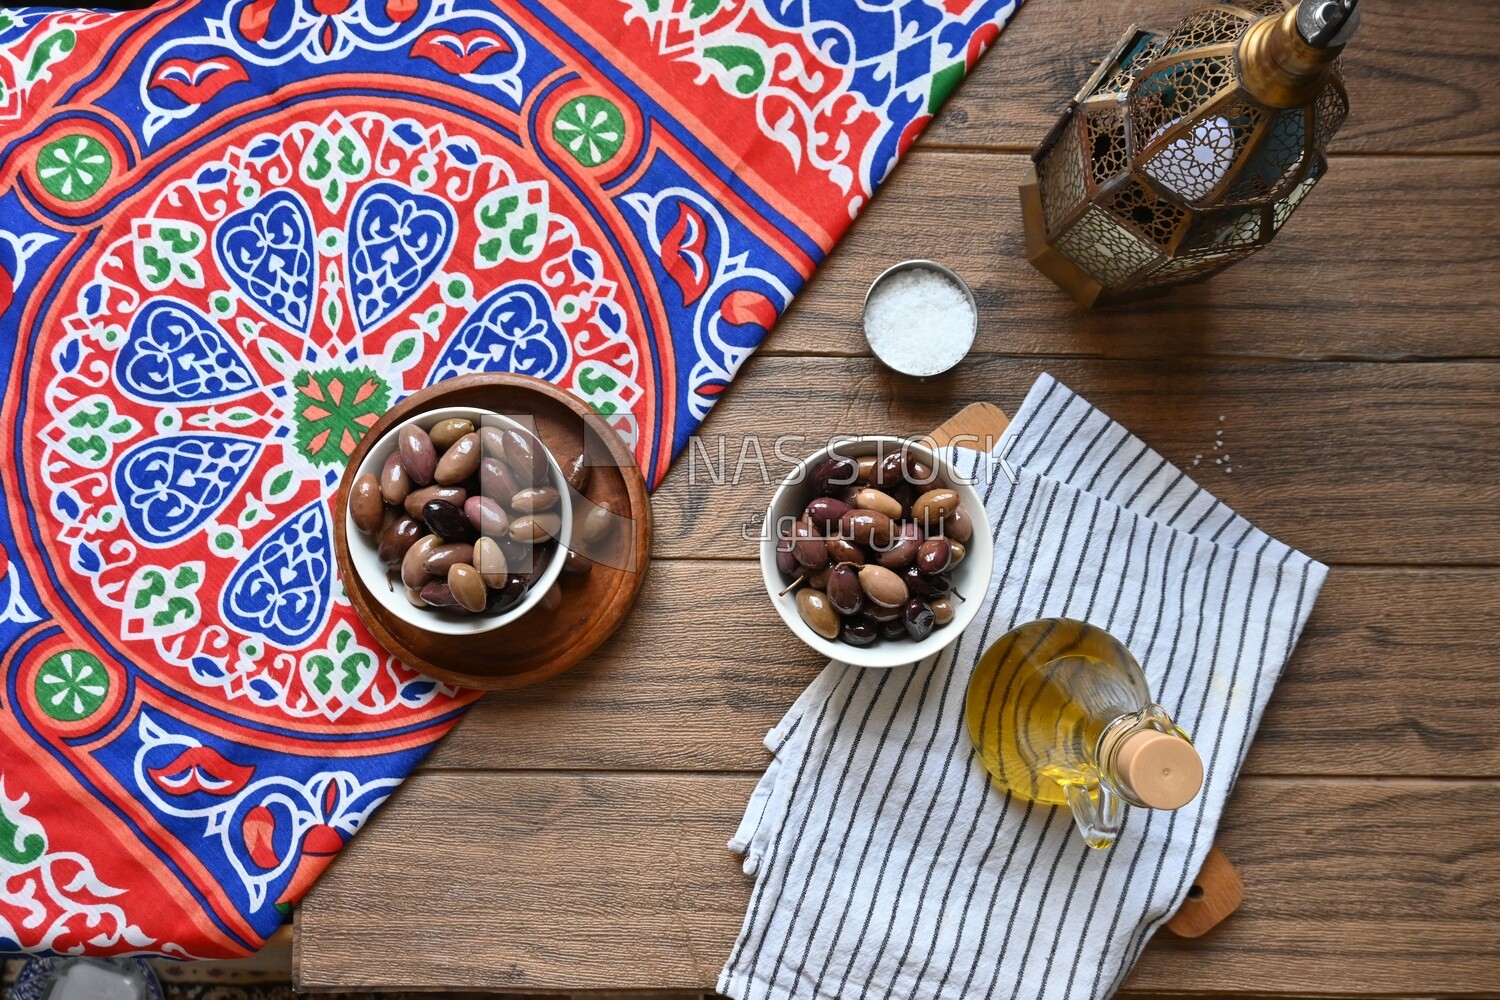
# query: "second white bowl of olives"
(875, 553)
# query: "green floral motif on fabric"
(72, 685)
(74, 167)
(347, 672)
(591, 128)
(334, 409)
(14, 848)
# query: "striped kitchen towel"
(887, 866)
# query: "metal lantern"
(1188, 149)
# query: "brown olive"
(808, 545)
(814, 608)
(843, 550)
(942, 610)
(417, 499)
(904, 547)
(884, 503)
(417, 454)
(866, 466)
(445, 432)
(552, 599)
(918, 474)
(577, 564)
(447, 521)
(443, 557)
(935, 555)
(578, 473)
(882, 586)
(414, 564)
(366, 505)
(933, 506)
(844, 591)
(599, 523)
(868, 527)
(958, 525)
(786, 560)
(496, 481)
(459, 462)
(824, 513)
(818, 578)
(489, 560)
(535, 528)
(414, 595)
(957, 552)
(534, 500)
(491, 441)
(400, 535)
(523, 453)
(467, 588)
(438, 595)
(832, 474)
(917, 616)
(487, 516)
(395, 483)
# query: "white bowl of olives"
(459, 521)
(875, 553)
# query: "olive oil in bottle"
(1061, 714)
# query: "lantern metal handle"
(1324, 24)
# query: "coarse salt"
(919, 322)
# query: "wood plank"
(1421, 76)
(1404, 659)
(1358, 888)
(1352, 462)
(1390, 257)
(619, 882)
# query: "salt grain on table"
(919, 322)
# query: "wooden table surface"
(571, 837)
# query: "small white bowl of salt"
(920, 318)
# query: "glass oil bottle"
(1061, 714)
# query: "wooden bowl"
(542, 644)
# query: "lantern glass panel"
(1104, 248)
(1174, 92)
(1223, 230)
(1276, 163)
(1194, 165)
(1062, 179)
(1260, 8)
(1211, 26)
(1153, 218)
(1283, 209)
(1104, 127)
(1137, 52)
(1329, 112)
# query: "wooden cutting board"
(1217, 891)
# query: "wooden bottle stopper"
(1161, 770)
